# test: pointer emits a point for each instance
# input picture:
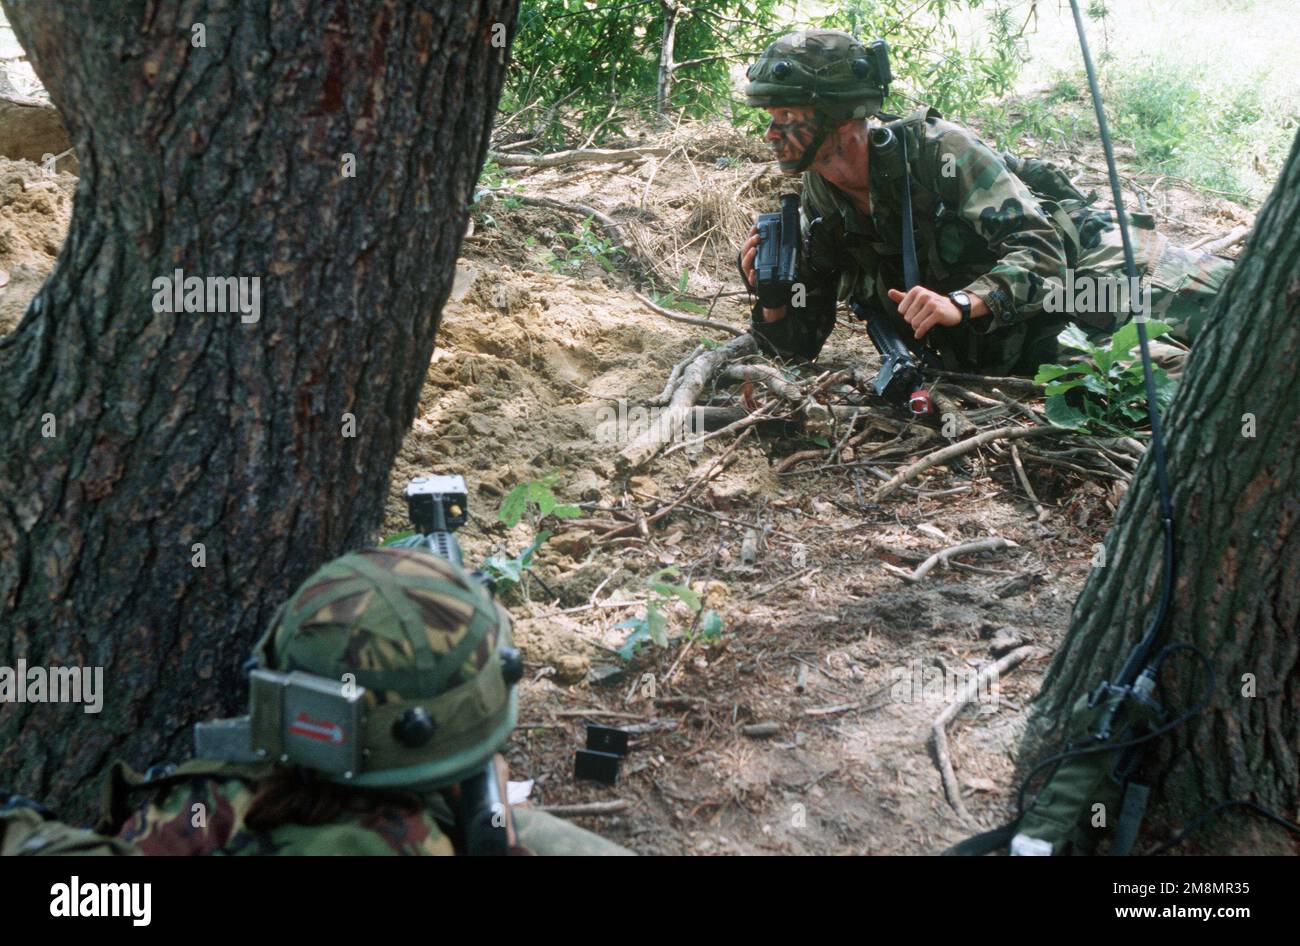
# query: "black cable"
(1193, 825)
(1147, 737)
(1137, 658)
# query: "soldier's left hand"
(923, 309)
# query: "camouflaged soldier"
(1008, 250)
(382, 692)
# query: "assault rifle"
(438, 506)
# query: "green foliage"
(1183, 121)
(1110, 394)
(931, 62)
(504, 570)
(675, 300)
(535, 501)
(653, 624)
(576, 249)
(595, 53)
(592, 51)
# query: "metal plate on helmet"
(307, 720)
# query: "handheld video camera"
(777, 257)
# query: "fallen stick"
(695, 377)
(938, 729)
(1219, 244)
(575, 156)
(1024, 481)
(716, 467)
(956, 450)
(590, 808)
(978, 545)
(757, 417)
(662, 398)
(1022, 384)
(688, 319)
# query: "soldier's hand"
(748, 251)
(923, 309)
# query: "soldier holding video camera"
(957, 247)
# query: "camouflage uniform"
(418, 636)
(991, 224)
(162, 821)
(27, 829)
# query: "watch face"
(961, 298)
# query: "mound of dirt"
(34, 212)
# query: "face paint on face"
(790, 133)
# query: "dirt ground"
(846, 661)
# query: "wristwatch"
(962, 300)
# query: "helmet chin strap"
(819, 137)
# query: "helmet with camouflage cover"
(828, 70)
(427, 654)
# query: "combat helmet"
(829, 70)
(389, 667)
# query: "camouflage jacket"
(200, 807)
(979, 226)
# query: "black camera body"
(778, 252)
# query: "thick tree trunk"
(1233, 434)
(326, 149)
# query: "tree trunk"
(664, 91)
(167, 478)
(1232, 432)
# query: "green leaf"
(1166, 388)
(1075, 337)
(638, 636)
(1050, 372)
(393, 539)
(677, 591)
(512, 507)
(1062, 414)
(820, 441)
(1057, 388)
(566, 512)
(657, 625)
(710, 625)
(1096, 385)
(1122, 342)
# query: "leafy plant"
(653, 624)
(534, 500)
(674, 299)
(1111, 394)
(577, 248)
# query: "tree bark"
(129, 435)
(1232, 435)
(664, 89)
